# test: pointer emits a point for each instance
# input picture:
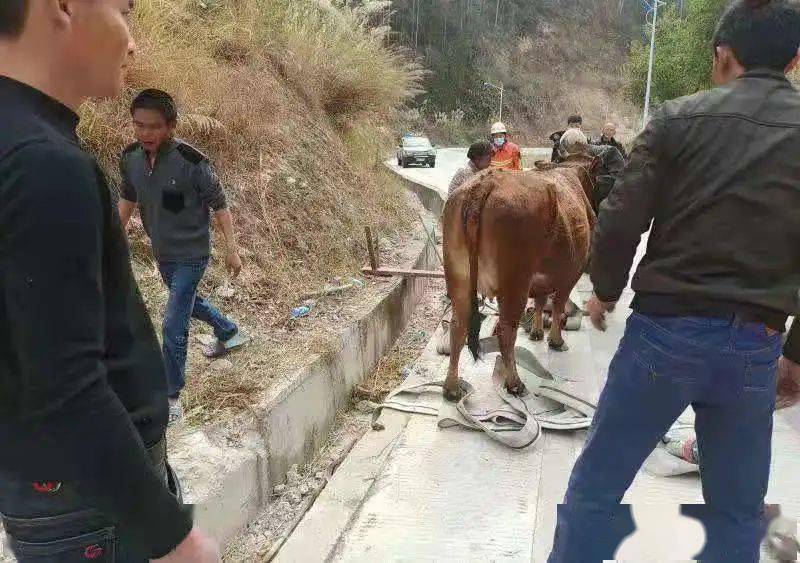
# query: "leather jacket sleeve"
(626, 214)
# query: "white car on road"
(416, 150)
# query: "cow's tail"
(472, 227)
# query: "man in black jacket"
(712, 294)
(83, 403)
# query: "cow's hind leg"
(537, 326)
(511, 309)
(556, 339)
(458, 335)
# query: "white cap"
(498, 128)
(574, 141)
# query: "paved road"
(416, 493)
(450, 160)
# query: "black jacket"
(612, 142)
(611, 164)
(82, 384)
(718, 175)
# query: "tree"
(683, 56)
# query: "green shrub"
(683, 56)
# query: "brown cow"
(512, 235)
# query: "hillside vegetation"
(291, 99)
(684, 53)
(682, 64)
(554, 58)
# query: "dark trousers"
(182, 278)
(49, 523)
(726, 370)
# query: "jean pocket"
(668, 365)
(97, 547)
(761, 376)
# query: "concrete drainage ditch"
(230, 482)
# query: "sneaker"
(175, 411)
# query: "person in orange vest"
(506, 155)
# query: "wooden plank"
(389, 272)
(373, 257)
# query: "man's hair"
(574, 141)
(761, 33)
(12, 17)
(574, 119)
(157, 100)
(479, 149)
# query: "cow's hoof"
(517, 390)
(453, 396)
(558, 346)
(537, 334)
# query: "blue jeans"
(726, 370)
(182, 278)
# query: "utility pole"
(650, 65)
(497, 13)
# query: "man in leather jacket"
(712, 294)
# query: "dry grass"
(291, 99)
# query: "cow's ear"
(544, 165)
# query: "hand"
(788, 383)
(233, 262)
(597, 311)
(197, 547)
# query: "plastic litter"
(299, 312)
(687, 449)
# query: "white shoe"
(175, 411)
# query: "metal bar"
(373, 258)
(431, 239)
(389, 272)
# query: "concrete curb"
(430, 198)
(229, 483)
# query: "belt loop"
(735, 326)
